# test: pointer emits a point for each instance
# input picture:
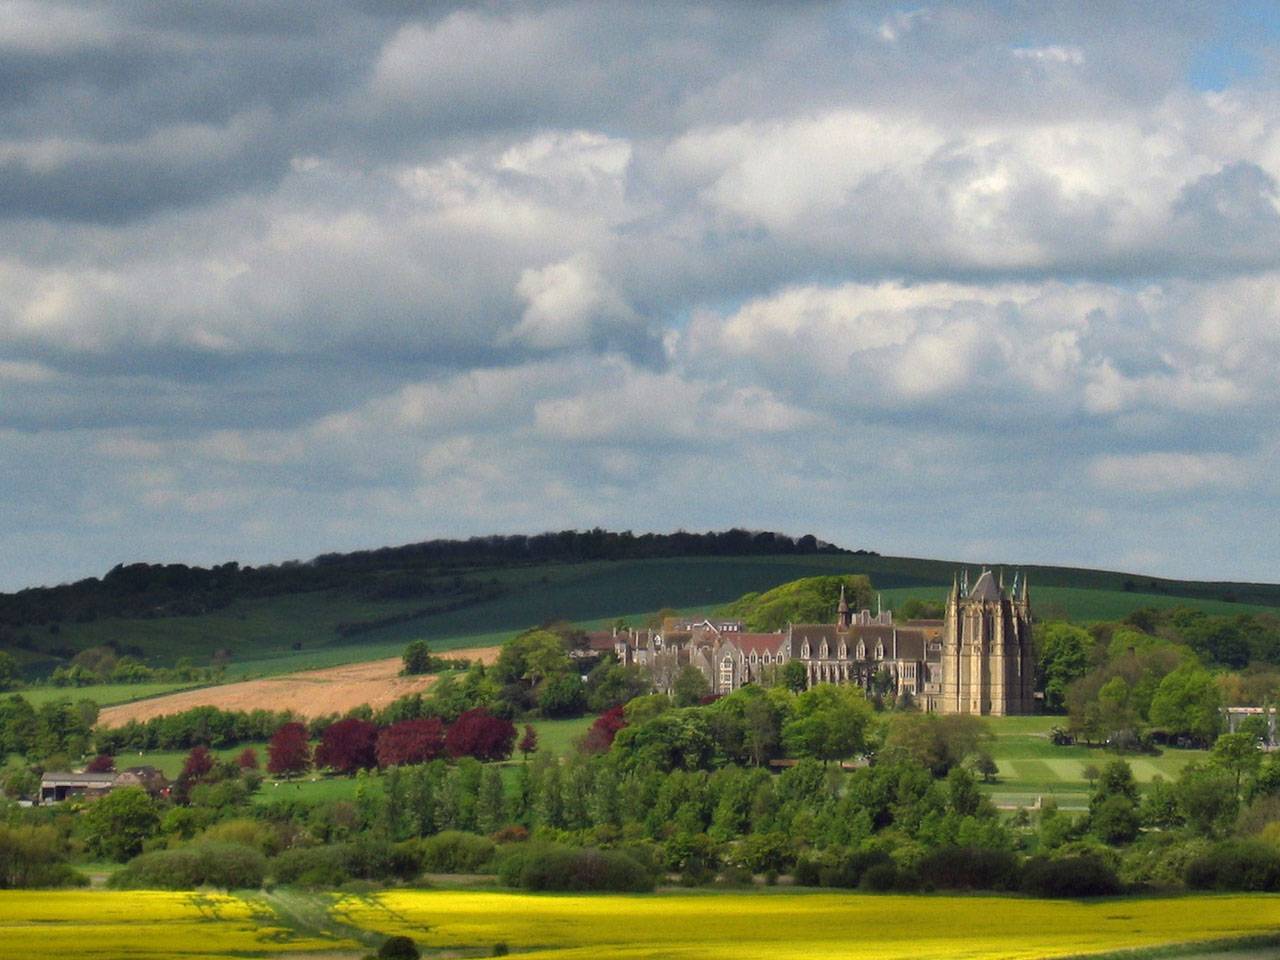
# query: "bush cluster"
(539, 867)
(231, 866)
(1236, 865)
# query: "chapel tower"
(988, 660)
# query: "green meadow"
(278, 634)
(1031, 766)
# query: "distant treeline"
(431, 571)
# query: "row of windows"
(824, 651)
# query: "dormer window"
(753, 656)
(804, 650)
(844, 652)
(823, 653)
(862, 650)
(768, 658)
(879, 651)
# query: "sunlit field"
(759, 926)
(100, 925)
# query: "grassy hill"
(322, 627)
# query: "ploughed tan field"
(311, 693)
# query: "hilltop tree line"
(433, 570)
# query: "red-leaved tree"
(411, 741)
(102, 763)
(198, 763)
(348, 745)
(599, 738)
(248, 759)
(288, 752)
(529, 742)
(478, 733)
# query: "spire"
(843, 619)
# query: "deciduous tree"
(348, 745)
(116, 825)
(477, 733)
(288, 752)
(410, 742)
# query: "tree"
(795, 677)
(530, 656)
(1064, 655)
(9, 673)
(417, 658)
(198, 763)
(828, 722)
(689, 686)
(116, 825)
(562, 695)
(248, 759)
(477, 733)
(529, 742)
(599, 738)
(410, 742)
(1187, 702)
(102, 763)
(1238, 754)
(348, 745)
(288, 752)
(937, 742)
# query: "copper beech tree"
(289, 753)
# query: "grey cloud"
(288, 277)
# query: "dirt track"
(312, 693)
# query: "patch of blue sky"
(1227, 57)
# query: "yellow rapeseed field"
(801, 926)
(142, 925)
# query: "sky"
(990, 282)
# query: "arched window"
(844, 651)
(862, 650)
(823, 652)
(804, 650)
(879, 651)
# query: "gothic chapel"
(977, 660)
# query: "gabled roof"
(758, 643)
(986, 588)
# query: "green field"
(299, 631)
(1032, 766)
(105, 694)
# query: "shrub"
(562, 868)
(969, 868)
(310, 867)
(231, 866)
(35, 856)
(454, 851)
(847, 871)
(1236, 865)
(806, 873)
(1085, 876)
(398, 948)
(880, 878)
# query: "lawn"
(1032, 766)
